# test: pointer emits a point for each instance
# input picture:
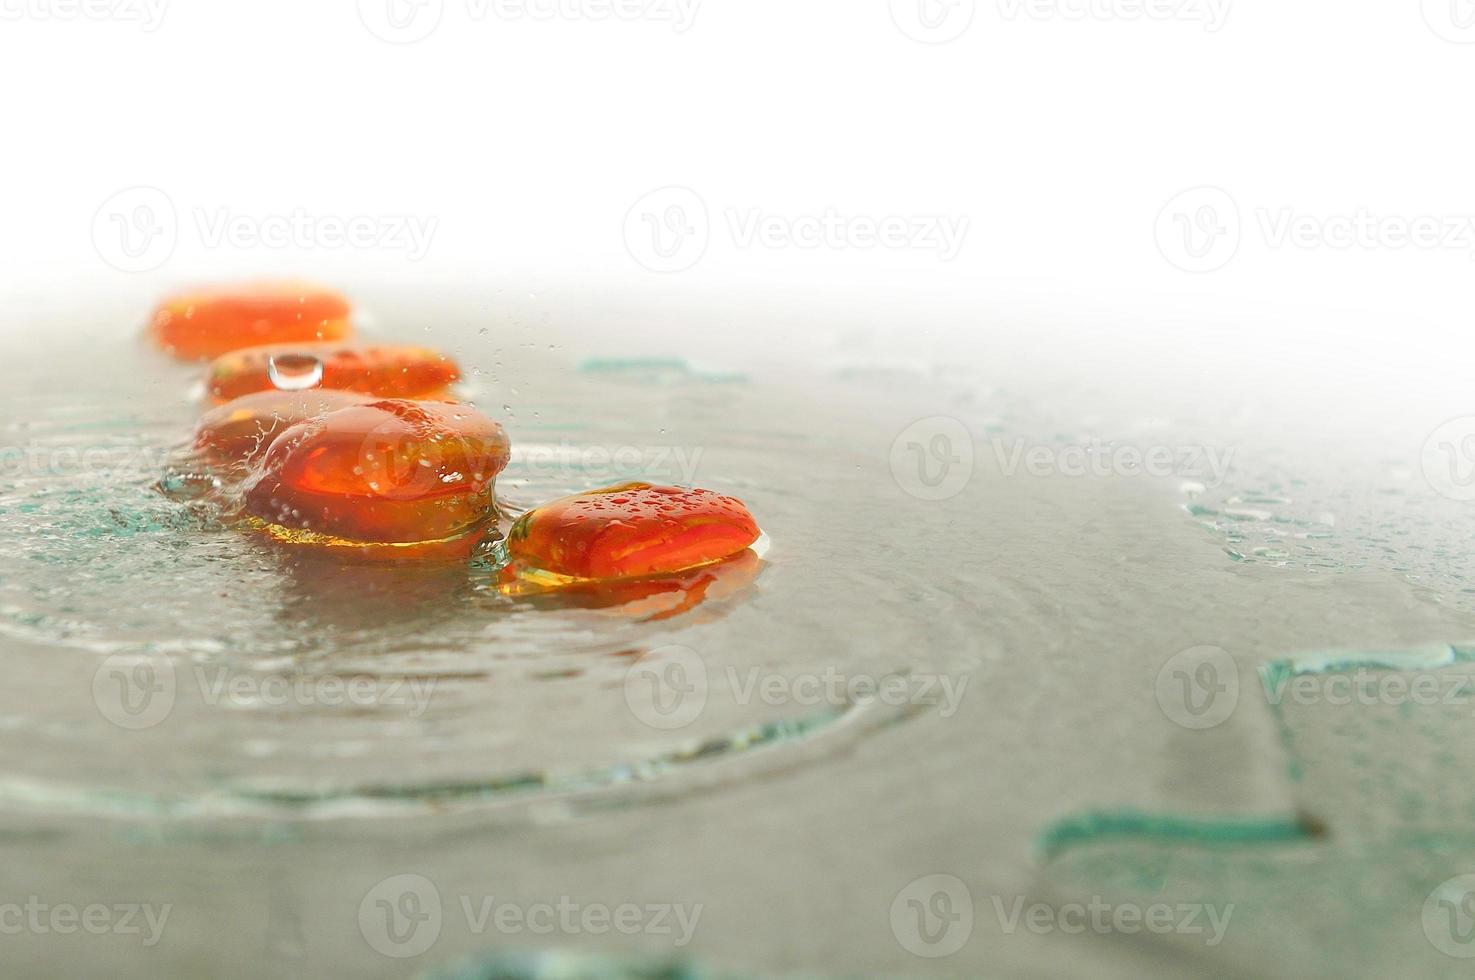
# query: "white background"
(1059, 135)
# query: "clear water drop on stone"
(295, 372)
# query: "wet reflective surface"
(1018, 657)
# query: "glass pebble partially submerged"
(629, 530)
(382, 370)
(388, 479)
(207, 323)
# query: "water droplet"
(295, 372)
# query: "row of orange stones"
(363, 449)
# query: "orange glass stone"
(629, 530)
(382, 370)
(387, 472)
(241, 427)
(209, 322)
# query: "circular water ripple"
(185, 669)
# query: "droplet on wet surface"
(295, 372)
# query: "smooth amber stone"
(390, 471)
(209, 322)
(382, 370)
(243, 426)
(632, 529)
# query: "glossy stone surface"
(206, 323)
(243, 426)
(382, 370)
(632, 529)
(392, 471)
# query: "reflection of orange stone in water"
(210, 322)
(391, 473)
(643, 599)
(629, 530)
(383, 370)
(238, 429)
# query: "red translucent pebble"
(382, 370)
(236, 430)
(209, 322)
(629, 530)
(390, 471)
